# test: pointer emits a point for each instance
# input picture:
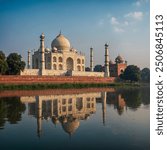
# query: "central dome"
(61, 43)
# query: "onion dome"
(42, 36)
(119, 59)
(61, 43)
(47, 50)
(111, 62)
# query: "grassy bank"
(40, 86)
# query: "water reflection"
(68, 110)
(93, 119)
(11, 110)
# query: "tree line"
(12, 64)
(132, 73)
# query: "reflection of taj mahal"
(64, 109)
(67, 110)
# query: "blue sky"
(124, 24)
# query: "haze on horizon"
(124, 25)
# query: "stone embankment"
(53, 79)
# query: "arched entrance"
(70, 63)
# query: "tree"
(2, 55)
(3, 63)
(98, 68)
(145, 75)
(15, 64)
(131, 73)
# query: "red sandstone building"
(118, 67)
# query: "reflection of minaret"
(51, 108)
(39, 116)
(28, 60)
(103, 97)
(91, 59)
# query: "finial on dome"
(60, 32)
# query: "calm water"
(95, 120)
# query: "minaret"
(28, 60)
(39, 115)
(106, 73)
(103, 97)
(91, 59)
(42, 48)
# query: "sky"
(123, 24)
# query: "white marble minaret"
(28, 60)
(91, 59)
(42, 48)
(106, 73)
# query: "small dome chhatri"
(119, 59)
(42, 36)
(61, 43)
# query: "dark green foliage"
(132, 97)
(15, 64)
(3, 63)
(2, 55)
(145, 75)
(39, 86)
(11, 110)
(98, 68)
(131, 73)
(42, 86)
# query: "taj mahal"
(64, 60)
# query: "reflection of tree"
(132, 97)
(11, 108)
(145, 95)
(3, 113)
(117, 100)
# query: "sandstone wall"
(53, 79)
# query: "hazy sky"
(124, 24)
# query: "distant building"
(118, 67)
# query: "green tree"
(3, 63)
(15, 64)
(98, 68)
(145, 75)
(131, 73)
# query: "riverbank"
(59, 82)
(42, 86)
(13, 93)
